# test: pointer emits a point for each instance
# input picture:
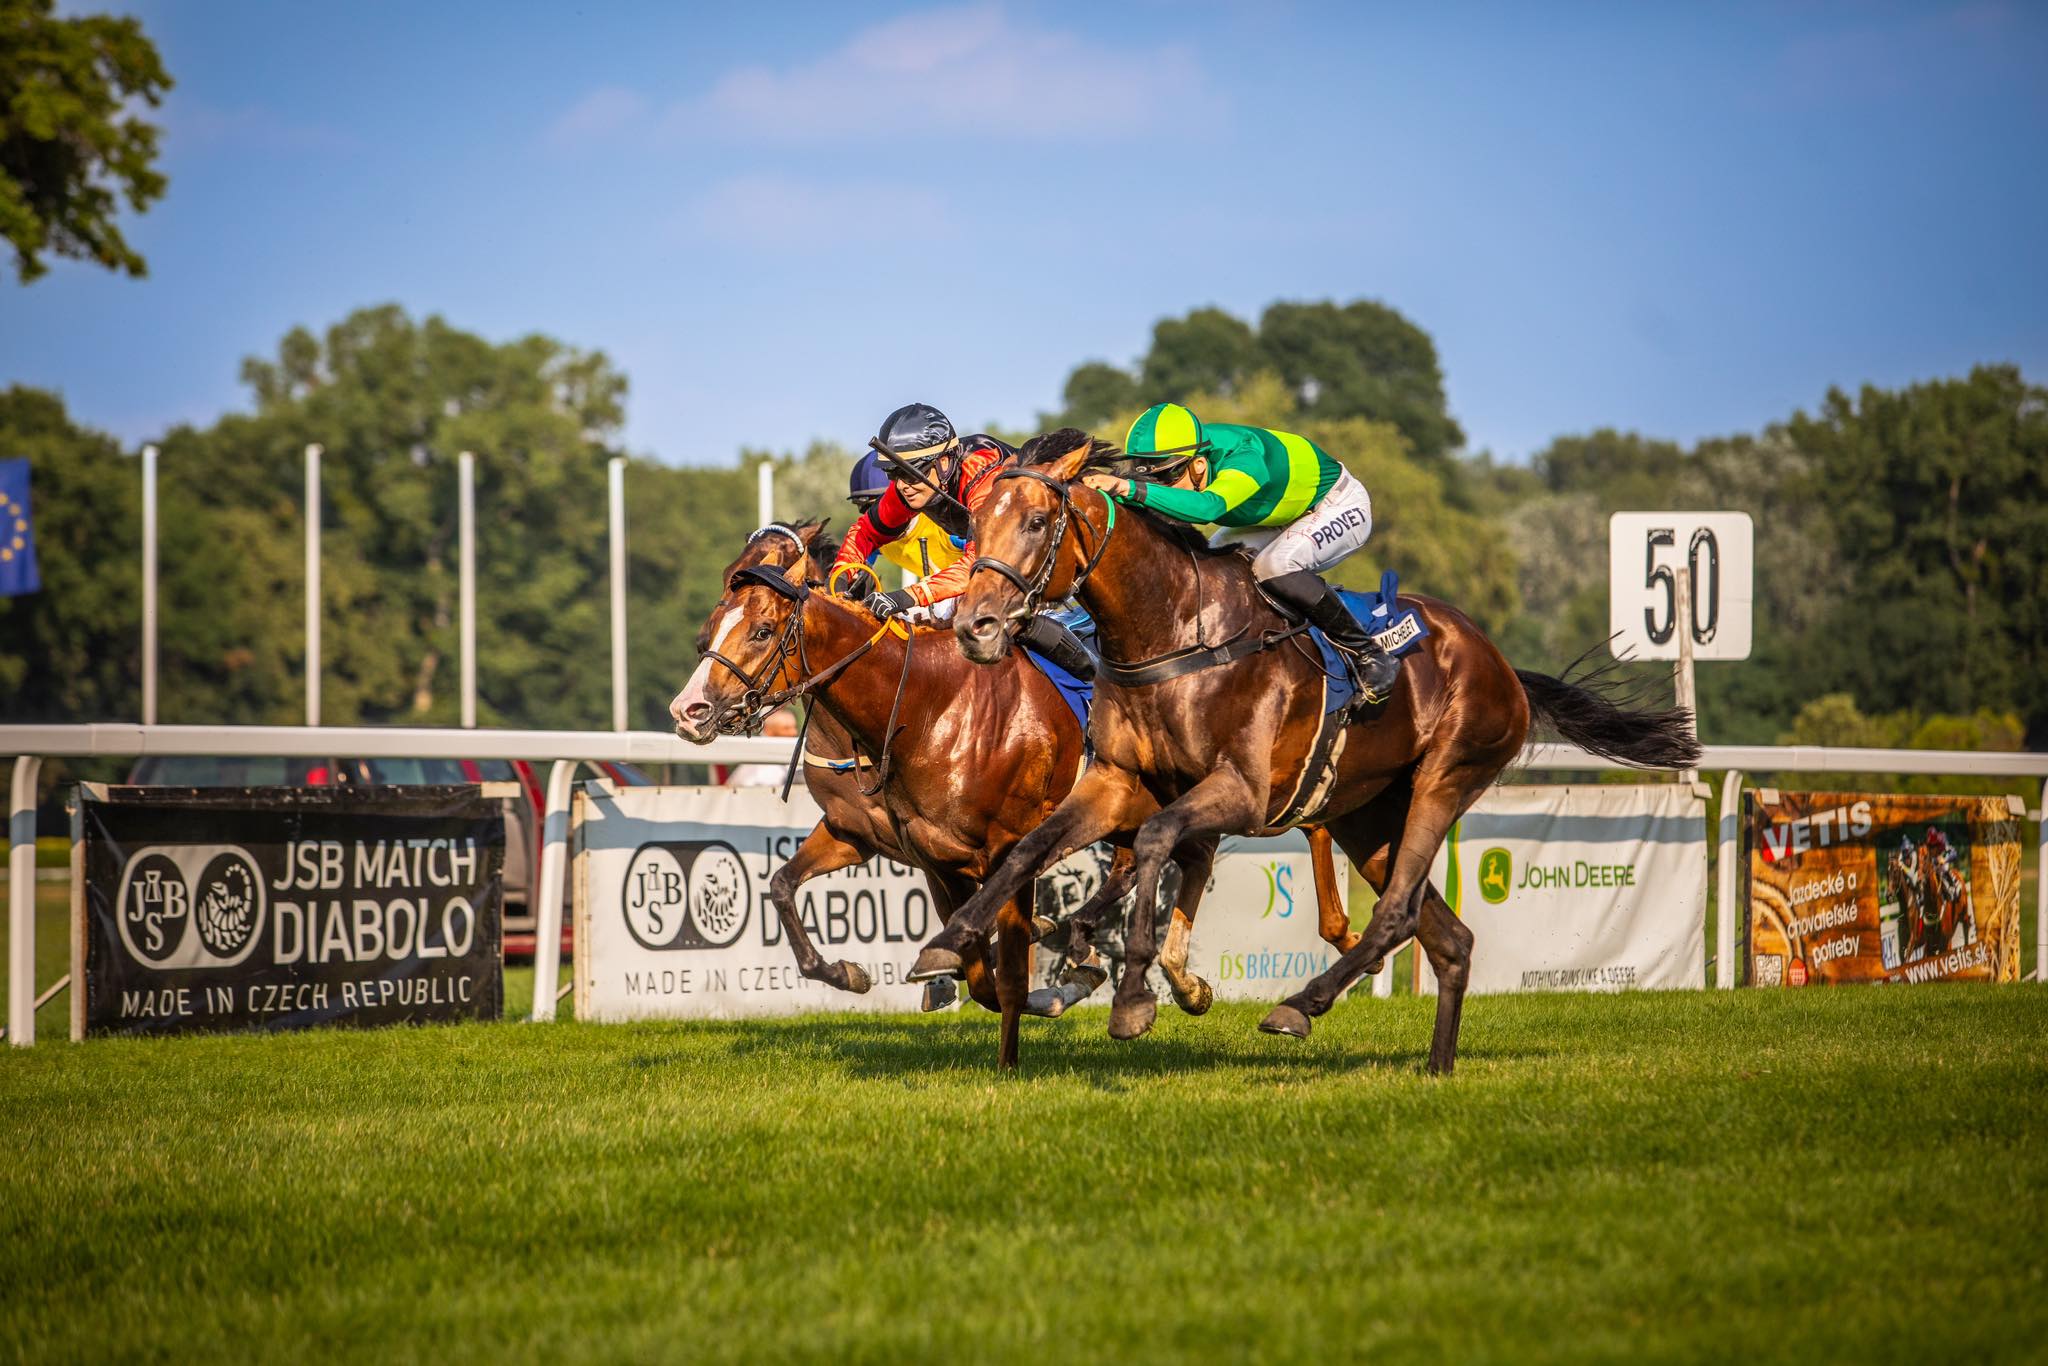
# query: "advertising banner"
(1572, 888)
(284, 907)
(673, 918)
(1256, 935)
(1863, 887)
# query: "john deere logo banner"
(285, 907)
(1865, 887)
(1580, 888)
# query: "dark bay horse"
(974, 757)
(1226, 749)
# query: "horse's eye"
(763, 631)
(1037, 522)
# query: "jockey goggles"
(915, 465)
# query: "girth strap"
(1192, 659)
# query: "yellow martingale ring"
(832, 576)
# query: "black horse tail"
(1597, 712)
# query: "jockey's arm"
(1228, 488)
(977, 482)
(875, 528)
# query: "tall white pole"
(618, 537)
(313, 584)
(765, 495)
(466, 517)
(1682, 670)
(149, 585)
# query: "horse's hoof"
(1048, 1003)
(1127, 1020)
(1285, 1019)
(1198, 1001)
(852, 977)
(939, 993)
(1041, 926)
(935, 962)
(1373, 968)
(1090, 972)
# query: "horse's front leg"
(1105, 801)
(823, 851)
(1220, 802)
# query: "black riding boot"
(1305, 592)
(1060, 645)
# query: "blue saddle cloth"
(1398, 630)
(1078, 694)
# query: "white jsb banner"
(1580, 888)
(673, 918)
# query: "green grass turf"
(1848, 1174)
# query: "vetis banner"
(1862, 887)
(285, 907)
(673, 918)
(1580, 888)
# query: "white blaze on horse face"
(693, 691)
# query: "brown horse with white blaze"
(966, 759)
(1225, 746)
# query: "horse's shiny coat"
(1183, 762)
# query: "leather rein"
(1172, 664)
(758, 700)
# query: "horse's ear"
(1069, 466)
(811, 531)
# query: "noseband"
(1033, 588)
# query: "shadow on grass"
(910, 1050)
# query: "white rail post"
(618, 536)
(21, 902)
(764, 492)
(547, 918)
(313, 584)
(466, 571)
(149, 585)
(2041, 892)
(1724, 921)
(1681, 672)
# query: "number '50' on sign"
(1673, 572)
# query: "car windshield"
(183, 770)
(411, 772)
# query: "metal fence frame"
(566, 749)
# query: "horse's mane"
(1107, 457)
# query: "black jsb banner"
(286, 907)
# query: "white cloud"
(964, 71)
(777, 211)
(604, 112)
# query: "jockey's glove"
(886, 605)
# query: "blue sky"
(784, 220)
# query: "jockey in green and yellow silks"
(1277, 493)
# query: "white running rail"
(566, 748)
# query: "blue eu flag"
(17, 532)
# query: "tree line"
(1901, 535)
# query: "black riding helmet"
(917, 435)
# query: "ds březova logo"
(691, 894)
(1496, 874)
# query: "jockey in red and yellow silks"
(948, 479)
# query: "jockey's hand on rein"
(859, 584)
(1107, 483)
(886, 605)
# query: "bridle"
(1033, 588)
(758, 701)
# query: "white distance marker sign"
(1648, 554)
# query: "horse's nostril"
(984, 625)
(697, 711)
